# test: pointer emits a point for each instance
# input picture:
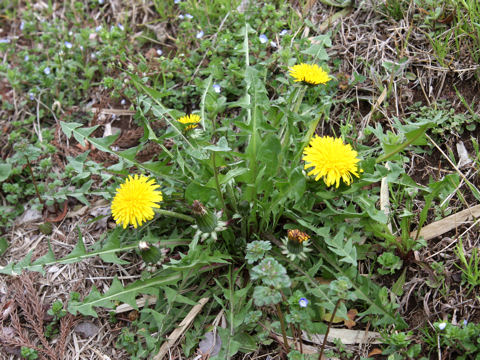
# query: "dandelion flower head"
(311, 74)
(297, 235)
(134, 201)
(331, 159)
(189, 121)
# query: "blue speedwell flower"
(263, 38)
(46, 70)
(217, 88)
(68, 44)
(188, 16)
(442, 325)
(303, 302)
(283, 32)
(200, 34)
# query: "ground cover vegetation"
(239, 180)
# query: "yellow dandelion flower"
(331, 159)
(134, 201)
(189, 121)
(311, 74)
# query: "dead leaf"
(352, 313)
(211, 345)
(86, 329)
(374, 352)
(29, 216)
(464, 158)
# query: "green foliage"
(29, 354)
(470, 268)
(461, 339)
(390, 263)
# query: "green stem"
(282, 325)
(217, 183)
(34, 182)
(328, 329)
(175, 215)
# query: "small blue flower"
(81, 48)
(68, 44)
(283, 32)
(122, 102)
(101, 2)
(26, 58)
(32, 97)
(442, 325)
(46, 70)
(263, 38)
(93, 56)
(22, 25)
(303, 302)
(4, 41)
(98, 28)
(465, 322)
(188, 16)
(120, 26)
(159, 52)
(200, 34)
(176, 1)
(181, 17)
(217, 88)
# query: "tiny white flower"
(176, 1)
(98, 28)
(112, 27)
(32, 97)
(217, 88)
(22, 25)
(159, 52)
(68, 44)
(26, 58)
(200, 34)
(263, 38)
(81, 48)
(101, 2)
(70, 33)
(120, 26)
(46, 70)
(93, 56)
(283, 32)
(181, 17)
(188, 16)
(122, 102)
(273, 44)
(442, 325)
